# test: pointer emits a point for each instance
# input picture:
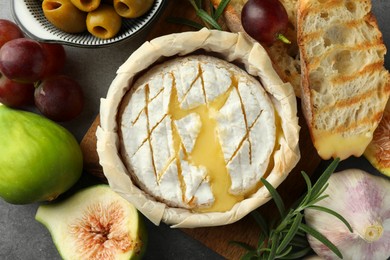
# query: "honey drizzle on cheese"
(207, 150)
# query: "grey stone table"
(21, 237)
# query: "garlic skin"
(364, 201)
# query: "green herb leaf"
(210, 20)
(221, 7)
(198, 3)
(274, 245)
(307, 180)
(309, 188)
(275, 196)
(284, 253)
(320, 192)
(334, 213)
(298, 254)
(323, 179)
(299, 241)
(291, 233)
(248, 256)
(314, 233)
(262, 240)
(212, 10)
(316, 200)
(260, 221)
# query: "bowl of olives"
(92, 23)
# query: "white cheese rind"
(197, 187)
(231, 125)
(194, 97)
(241, 170)
(188, 128)
(134, 142)
(161, 144)
(249, 89)
(168, 186)
(159, 99)
(216, 80)
(188, 84)
(142, 161)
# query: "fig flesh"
(95, 223)
(378, 151)
(39, 159)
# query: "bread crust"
(285, 57)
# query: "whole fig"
(39, 159)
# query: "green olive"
(132, 8)
(86, 5)
(104, 22)
(64, 15)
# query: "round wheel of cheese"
(188, 129)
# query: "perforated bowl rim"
(28, 14)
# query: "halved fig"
(95, 223)
(378, 151)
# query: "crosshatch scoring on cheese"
(197, 132)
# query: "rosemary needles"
(286, 238)
(208, 16)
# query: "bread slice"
(285, 57)
(345, 86)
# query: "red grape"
(22, 60)
(16, 94)
(265, 20)
(59, 98)
(55, 56)
(9, 31)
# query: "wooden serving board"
(246, 230)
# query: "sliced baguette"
(285, 57)
(345, 86)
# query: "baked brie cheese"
(188, 129)
(197, 132)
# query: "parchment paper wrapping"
(234, 48)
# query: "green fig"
(39, 159)
(95, 223)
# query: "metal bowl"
(29, 16)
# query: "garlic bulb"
(364, 201)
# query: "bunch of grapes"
(30, 75)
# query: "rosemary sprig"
(210, 19)
(286, 239)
